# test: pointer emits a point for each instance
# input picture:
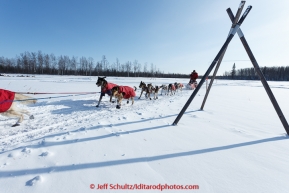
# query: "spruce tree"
(233, 72)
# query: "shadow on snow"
(13, 173)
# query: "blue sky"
(175, 35)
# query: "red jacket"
(127, 91)
(107, 89)
(194, 76)
(6, 99)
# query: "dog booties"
(6, 99)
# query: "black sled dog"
(105, 88)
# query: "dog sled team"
(126, 92)
(9, 108)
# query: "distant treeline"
(41, 63)
(271, 73)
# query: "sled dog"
(105, 88)
(9, 108)
(123, 92)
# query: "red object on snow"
(6, 99)
(127, 91)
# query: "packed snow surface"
(236, 144)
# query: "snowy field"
(237, 144)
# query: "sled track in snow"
(64, 116)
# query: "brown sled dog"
(123, 92)
(172, 89)
(179, 86)
(13, 110)
(155, 90)
(149, 89)
(145, 88)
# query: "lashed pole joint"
(261, 76)
(221, 58)
(231, 35)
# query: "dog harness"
(107, 89)
(6, 99)
(127, 91)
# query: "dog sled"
(192, 86)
